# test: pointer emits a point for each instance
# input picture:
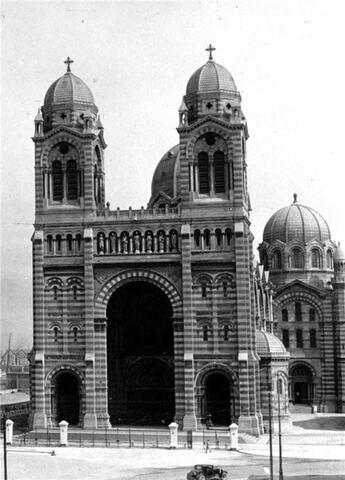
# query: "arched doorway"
(218, 399)
(301, 384)
(140, 355)
(67, 398)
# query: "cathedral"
(146, 316)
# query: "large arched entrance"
(140, 354)
(218, 399)
(67, 397)
(301, 384)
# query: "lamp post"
(279, 390)
(5, 446)
(270, 428)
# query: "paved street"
(151, 464)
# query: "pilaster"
(39, 417)
(189, 421)
(90, 420)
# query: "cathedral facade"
(159, 314)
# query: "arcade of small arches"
(127, 242)
(298, 258)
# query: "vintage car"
(206, 472)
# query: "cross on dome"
(68, 62)
(210, 49)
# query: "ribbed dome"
(296, 222)
(211, 77)
(269, 344)
(165, 178)
(68, 89)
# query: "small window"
(50, 244)
(286, 338)
(312, 314)
(225, 288)
(203, 166)
(329, 259)
(55, 292)
(228, 236)
(75, 334)
(75, 292)
(56, 334)
(197, 238)
(226, 332)
(57, 181)
(219, 172)
(72, 180)
(276, 260)
(297, 258)
(299, 339)
(207, 238)
(205, 333)
(312, 338)
(315, 258)
(218, 234)
(285, 315)
(78, 242)
(58, 243)
(203, 290)
(69, 243)
(298, 312)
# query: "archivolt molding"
(215, 367)
(214, 128)
(296, 362)
(61, 369)
(62, 137)
(299, 295)
(103, 297)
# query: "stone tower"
(145, 316)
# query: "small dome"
(296, 222)
(68, 89)
(269, 344)
(166, 174)
(339, 254)
(211, 77)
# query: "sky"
(286, 58)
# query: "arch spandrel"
(112, 284)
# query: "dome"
(211, 77)
(269, 344)
(166, 174)
(68, 89)
(296, 222)
(339, 254)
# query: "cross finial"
(68, 62)
(210, 50)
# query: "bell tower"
(214, 199)
(69, 145)
(69, 194)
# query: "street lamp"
(279, 391)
